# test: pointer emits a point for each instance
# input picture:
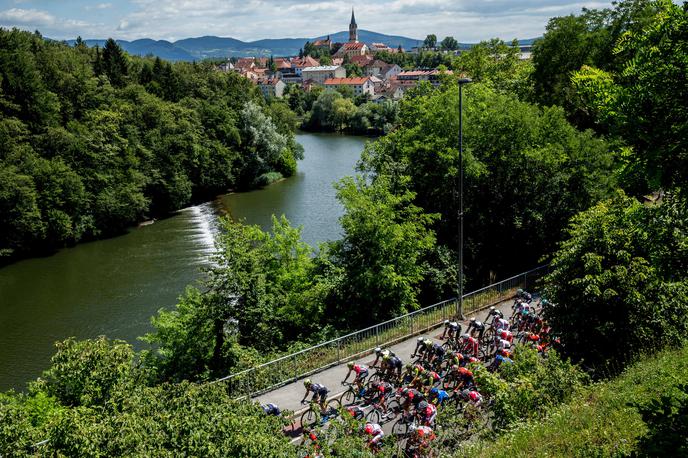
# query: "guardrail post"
(339, 358)
(377, 336)
(293, 360)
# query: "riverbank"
(113, 286)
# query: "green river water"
(112, 287)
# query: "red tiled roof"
(352, 46)
(346, 81)
(361, 61)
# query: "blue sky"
(466, 20)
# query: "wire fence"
(289, 368)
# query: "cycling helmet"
(350, 364)
(378, 350)
(434, 391)
(465, 336)
(473, 320)
(455, 367)
(465, 393)
(446, 322)
(492, 308)
(369, 428)
(408, 366)
(307, 383)
(420, 339)
(422, 405)
(519, 291)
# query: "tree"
(616, 286)
(115, 63)
(430, 42)
(449, 44)
(629, 103)
(385, 240)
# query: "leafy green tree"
(648, 116)
(115, 63)
(617, 287)
(430, 41)
(449, 44)
(385, 240)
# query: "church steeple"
(353, 29)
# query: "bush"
(620, 281)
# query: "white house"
(272, 88)
(319, 74)
(360, 86)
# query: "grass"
(600, 420)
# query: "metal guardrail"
(289, 368)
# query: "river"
(112, 287)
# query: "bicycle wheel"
(401, 427)
(334, 403)
(349, 396)
(376, 377)
(393, 410)
(309, 418)
(373, 416)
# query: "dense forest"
(576, 158)
(94, 140)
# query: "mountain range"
(191, 49)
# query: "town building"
(382, 69)
(361, 61)
(409, 79)
(322, 73)
(362, 85)
(323, 44)
(272, 87)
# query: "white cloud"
(19, 16)
(99, 6)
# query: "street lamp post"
(462, 81)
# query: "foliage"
(619, 280)
(334, 111)
(92, 141)
(385, 240)
(449, 44)
(603, 419)
(667, 422)
(430, 41)
(137, 420)
(631, 103)
(570, 42)
(527, 171)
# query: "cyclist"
(498, 361)
(505, 335)
(502, 344)
(381, 390)
(423, 344)
(418, 376)
(524, 296)
(420, 439)
(452, 376)
(464, 379)
(476, 327)
(411, 397)
(361, 371)
(426, 413)
(381, 354)
(469, 345)
(436, 354)
(494, 315)
(501, 323)
(408, 375)
(376, 434)
(472, 397)
(319, 393)
(356, 411)
(392, 365)
(451, 328)
(271, 410)
(437, 396)
(431, 378)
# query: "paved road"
(289, 396)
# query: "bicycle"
(377, 414)
(353, 394)
(314, 414)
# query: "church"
(353, 47)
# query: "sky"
(466, 20)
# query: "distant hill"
(190, 49)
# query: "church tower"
(353, 29)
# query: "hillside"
(190, 49)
